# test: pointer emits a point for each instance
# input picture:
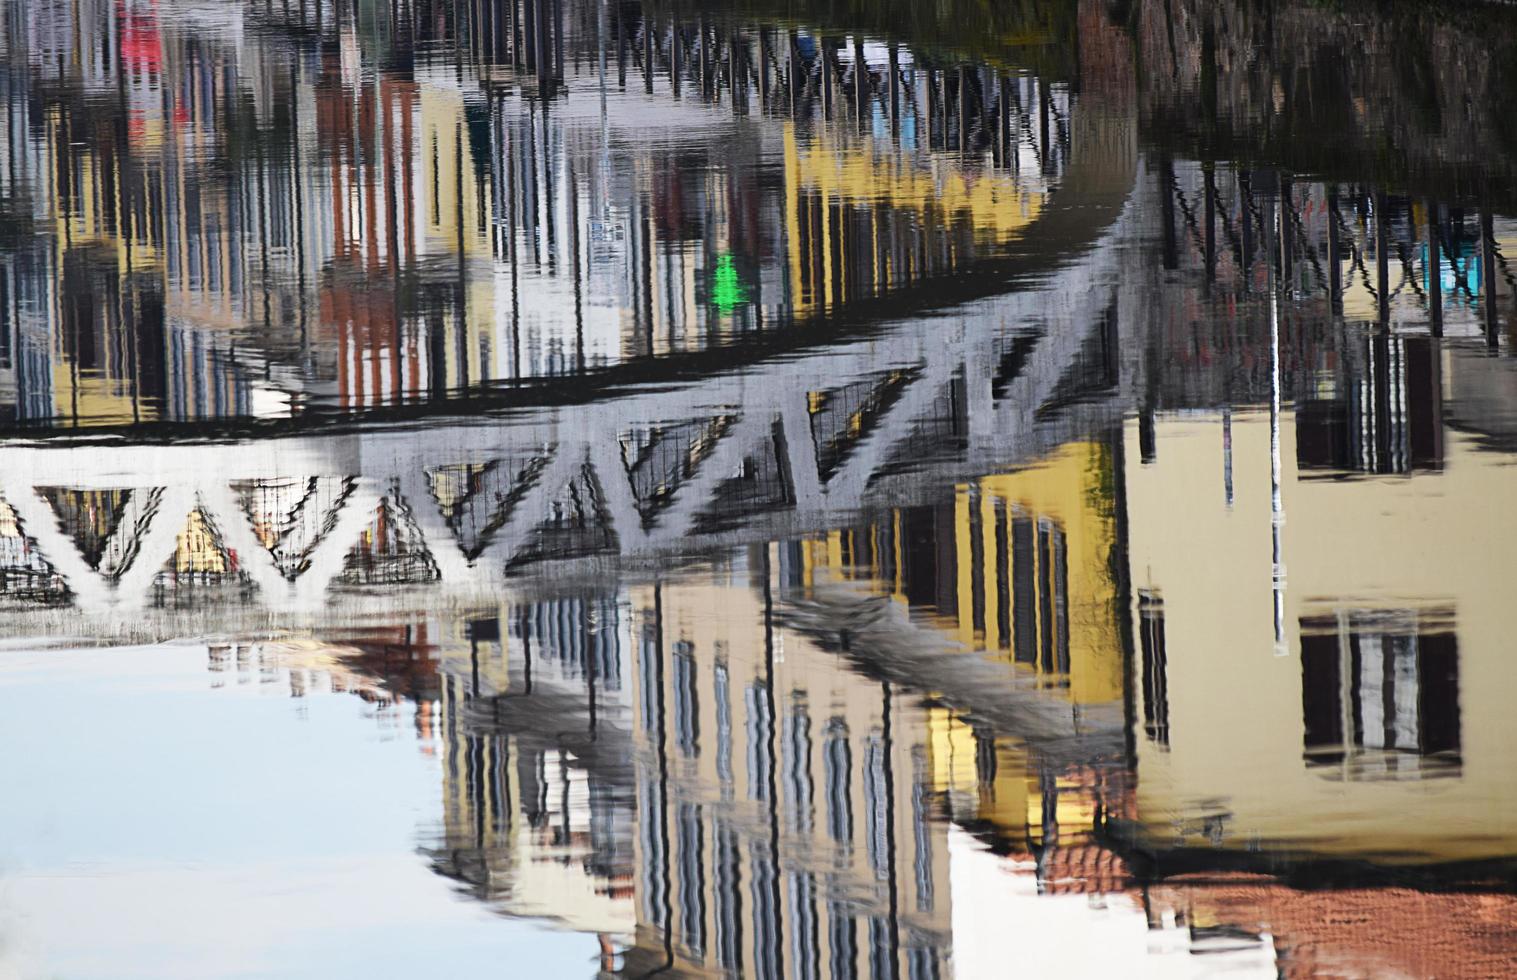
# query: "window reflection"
(729, 898)
(1382, 412)
(723, 728)
(686, 701)
(760, 742)
(1155, 668)
(692, 880)
(766, 911)
(837, 768)
(805, 944)
(842, 938)
(798, 765)
(1380, 696)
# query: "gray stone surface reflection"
(754, 489)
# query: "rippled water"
(760, 489)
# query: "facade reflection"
(1380, 672)
(954, 493)
(717, 784)
(335, 218)
(790, 840)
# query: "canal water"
(639, 488)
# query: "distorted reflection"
(812, 491)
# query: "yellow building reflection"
(1019, 568)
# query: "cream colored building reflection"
(1384, 729)
(784, 822)
(530, 825)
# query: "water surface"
(768, 490)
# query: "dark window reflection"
(723, 728)
(876, 803)
(838, 766)
(655, 857)
(798, 765)
(692, 880)
(648, 658)
(578, 634)
(921, 822)
(1155, 668)
(1003, 593)
(760, 744)
(804, 941)
(1384, 414)
(1053, 596)
(686, 704)
(1023, 590)
(881, 962)
(842, 937)
(922, 963)
(729, 898)
(766, 912)
(1380, 696)
(7, 324)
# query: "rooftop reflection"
(812, 492)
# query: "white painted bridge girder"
(1061, 312)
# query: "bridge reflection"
(427, 239)
(788, 758)
(380, 239)
(894, 485)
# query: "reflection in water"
(824, 496)
(304, 209)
